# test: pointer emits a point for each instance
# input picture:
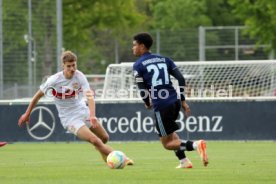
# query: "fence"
(29, 42)
(229, 43)
(31, 37)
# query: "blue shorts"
(166, 119)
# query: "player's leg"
(188, 145)
(172, 142)
(3, 144)
(201, 148)
(166, 127)
(100, 132)
(103, 135)
(85, 133)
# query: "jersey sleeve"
(137, 74)
(136, 70)
(181, 82)
(144, 93)
(174, 71)
(84, 82)
(171, 65)
(48, 84)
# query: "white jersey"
(67, 94)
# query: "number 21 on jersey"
(160, 74)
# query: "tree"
(260, 18)
(178, 21)
(179, 14)
(220, 12)
(14, 29)
(15, 26)
(89, 22)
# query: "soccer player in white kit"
(3, 144)
(68, 87)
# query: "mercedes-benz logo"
(42, 123)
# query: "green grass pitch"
(241, 162)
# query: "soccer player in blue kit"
(152, 76)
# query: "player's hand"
(148, 106)
(23, 119)
(187, 110)
(94, 122)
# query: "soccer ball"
(116, 160)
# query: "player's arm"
(181, 82)
(92, 107)
(144, 93)
(89, 95)
(26, 116)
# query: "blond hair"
(68, 56)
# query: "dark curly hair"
(144, 38)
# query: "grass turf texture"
(66, 163)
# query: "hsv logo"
(42, 123)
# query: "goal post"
(211, 80)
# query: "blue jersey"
(154, 71)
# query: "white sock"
(195, 145)
(182, 160)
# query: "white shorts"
(75, 120)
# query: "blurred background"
(34, 33)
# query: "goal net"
(204, 80)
